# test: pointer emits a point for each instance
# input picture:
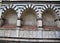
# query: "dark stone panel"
(24, 42)
(42, 2)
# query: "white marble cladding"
(58, 34)
(30, 34)
(39, 23)
(8, 33)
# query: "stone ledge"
(31, 40)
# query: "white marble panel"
(45, 34)
(2, 32)
(40, 34)
(13, 33)
(51, 34)
(57, 34)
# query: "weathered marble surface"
(30, 34)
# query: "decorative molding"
(49, 6)
(38, 8)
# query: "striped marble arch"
(38, 8)
(52, 6)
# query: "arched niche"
(29, 19)
(49, 17)
(9, 18)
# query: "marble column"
(39, 21)
(1, 21)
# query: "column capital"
(39, 18)
(19, 18)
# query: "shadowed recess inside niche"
(49, 17)
(29, 19)
(9, 19)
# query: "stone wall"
(39, 9)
